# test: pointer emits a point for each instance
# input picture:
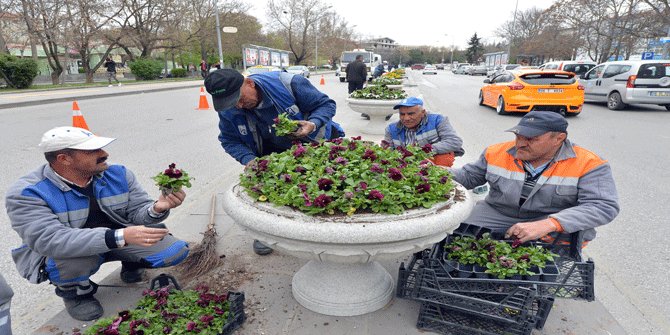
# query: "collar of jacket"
(56, 180)
(565, 152)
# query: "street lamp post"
(316, 39)
(218, 33)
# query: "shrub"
(178, 72)
(146, 69)
(19, 72)
(81, 70)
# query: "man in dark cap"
(248, 106)
(541, 184)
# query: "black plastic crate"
(237, 316)
(445, 320)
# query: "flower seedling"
(283, 125)
(172, 179)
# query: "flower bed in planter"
(166, 311)
(348, 176)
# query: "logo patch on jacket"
(293, 110)
(242, 129)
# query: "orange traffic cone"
(77, 118)
(203, 104)
(323, 80)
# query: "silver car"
(629, 82)
(299, 69)
(477, 70)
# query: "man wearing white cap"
(76, 212)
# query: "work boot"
(131, 272)
(84, 308)
(261, 249)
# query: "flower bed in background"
(378, 92)
(346, 176)
(386, 81)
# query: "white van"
(629, 82)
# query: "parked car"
(259, 69)
(439, 66)
(417, 67)
(461, 68)
(576, 67)
(299, 69)
(477, 70)
(620, 83)
(502, 68)
(429, 69)
(534, 89)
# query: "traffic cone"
(77, 118)
(323, 80)
(203, 105)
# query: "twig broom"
(203, 257)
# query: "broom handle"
(212, 209)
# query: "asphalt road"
(155, 129)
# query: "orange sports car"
(533, 89)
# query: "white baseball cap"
(60, 138)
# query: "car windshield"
(548, 78)
(654, 70)
(578, 68)
(349, 57)
(295, 68)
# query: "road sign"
(647, 55)
(664, 39)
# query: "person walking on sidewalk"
(542, 186)
(203, 68)
(6, 294)
(76, 212)
(111, 71)
(418, 127)
(248, 106)
(356, 73)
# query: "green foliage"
(386, 80)
(475, 49)
(178, 72)
(172, 179)
(146, 69)
(378, 93)
(283, 125)
(170, 312)
(81, 70)
(500, 258)
(346, 176)
(19, 72)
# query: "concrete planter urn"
(377, 110)
(342, 277)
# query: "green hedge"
(19, 72)
(146, 69)
(178, 72)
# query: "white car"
(429, 69)
(299, 69)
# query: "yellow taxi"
(526, 90)
(259, 69)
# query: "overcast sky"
(424, 22)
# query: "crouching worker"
(76, 212)
(418, 127)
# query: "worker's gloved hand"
(304, 129)
(530, 231)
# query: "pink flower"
(337, 140)
(375, 195)
(276, 120)
(299, 151)
(405, 153)
(308, 201)
(191, 326)
(329, 170)
(322, 201)
(287, 177)
(369, 154)
(385, 144)
(385, 162)
(325, 184)
(395, 174)
(341, 160)
(444, 179)
(300, 169)
(363, 185)
(352, 146)
(348, 195)
(423, 188)
(263, 165)
(302, 187)
(356, 138)
(376, 168)
(427, 148)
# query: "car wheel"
(572, 114)
(614, 101)
(481, 98)
(667, 107)
(500, 107)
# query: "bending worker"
(541, 184)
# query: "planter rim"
(374, 101)
(289, 223)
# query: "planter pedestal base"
(342, 289)
(376, 125)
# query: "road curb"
(94, 96)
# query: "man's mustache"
(101, 159)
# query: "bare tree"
(662, 10)
(44, 19)
(297, 19)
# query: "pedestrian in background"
(203, 68)
(111, 71)
(357, 73)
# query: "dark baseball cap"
(537, 123)
(224, 86)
